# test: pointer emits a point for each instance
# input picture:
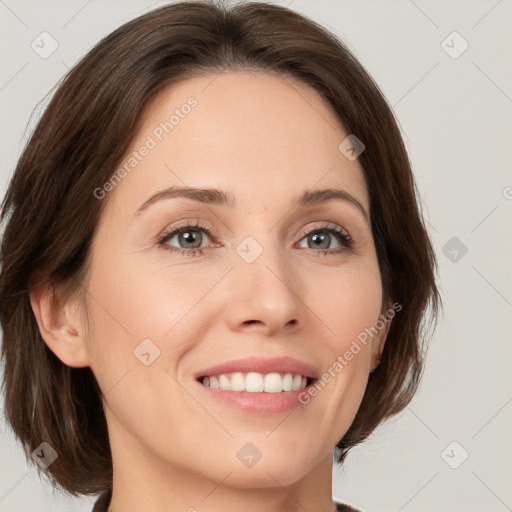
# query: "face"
(257, 286)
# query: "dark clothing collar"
(103, 502)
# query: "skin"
(264, 139)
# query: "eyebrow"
(213, 196)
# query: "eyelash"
(342, 236)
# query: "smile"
(254, 382)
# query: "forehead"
(265, 138)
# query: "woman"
(214, 267)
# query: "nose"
(264, 297)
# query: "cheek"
(132, 301)
(350, 308)
(144, 313)
(349, 305)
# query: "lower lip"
(258, 403)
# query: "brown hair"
(50, 212)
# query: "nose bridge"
(264, 262)
(265, 289)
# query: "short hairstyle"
(50, 211)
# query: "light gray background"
(456, 116)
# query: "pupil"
(188, 237)
(320, 238)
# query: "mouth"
(255, 382)
(258, 385)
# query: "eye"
(320, 237)
(188, 235)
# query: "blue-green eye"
(190, 238)
(320, 237)
(188, 235)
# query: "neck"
(144, 481)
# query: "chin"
(267, 475)
(275, 461)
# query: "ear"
(380, 339)
(59, 324)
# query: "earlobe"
(59, 326)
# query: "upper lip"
(261, 365)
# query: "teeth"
(273, 383)
(297, 382)
(224, 382)
(288, 382)
(254, 382)
(237, 382)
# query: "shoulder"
(342, 507)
